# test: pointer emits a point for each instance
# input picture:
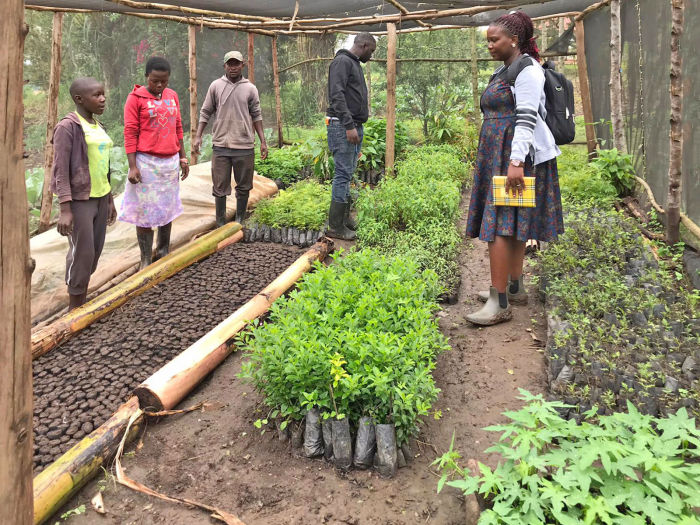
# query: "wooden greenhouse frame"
(16, 496)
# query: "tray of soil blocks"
(361, 444)
(286, 235)
(78, 385)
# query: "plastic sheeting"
(646, 67)
(121, 251)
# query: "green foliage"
(628, 324)
(374, 144)
(316, 154)
(616, 168)
(413, 214)
(284, 164)
(304, 205)
(623, 469)
(581, 181)
(356, 338)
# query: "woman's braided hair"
(517, 23)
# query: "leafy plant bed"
(78, 385)
(358, 339)
(621, 325)
(414, 213)
(622, 468)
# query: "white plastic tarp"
(121, 252)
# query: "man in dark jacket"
(347, 112)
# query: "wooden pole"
(65, 476)
(475, 74)
(51, 119)
(584, 86)
(278, 99)
(169, 385)
(15, 359)
(618, 126)
(675, 165)
(251, 57)
(390, 96)
(368, 72)
(194, 120)
(65, 327)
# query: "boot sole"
(342, 237)
(499, 318)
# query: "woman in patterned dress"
(514, 141)
(153, 141)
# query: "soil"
(78, 385)
(219, 458)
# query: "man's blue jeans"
(345, 158)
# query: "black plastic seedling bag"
(342, 444)
(297, 434)
(327, 431)
(365, 443)
(386, 461)
(313, 441)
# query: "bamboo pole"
(51, 119)
(390, 97)
(251, 57)
(278, 100)
(584, 86)
(675, 164)
(64, 477)
(618, 126)
(49, 336)
(192, 45)
(15, 271)
(475, 73)
(169, 385)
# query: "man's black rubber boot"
(163, 242)
(241, 207)
(350, 223)
(220, 211)
(145, 239)
(336, 222)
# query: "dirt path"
(219, 458)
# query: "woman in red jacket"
(156, 153)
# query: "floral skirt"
(155, 201)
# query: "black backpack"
(559, 98)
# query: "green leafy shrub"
(314, 150)
(304, 205)
(285, 164)
(356, 338)
(616, 168)
(374, 143)
(626, 468)
(581, 181)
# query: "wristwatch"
(516, 163)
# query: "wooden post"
(619, 140)
(368, 73)
(251, 57)
(390, 96)
(278, 100)
(584, 86)
(51, 119)
(15, 358)
(194, 120)
(675, 165)
(475, 74)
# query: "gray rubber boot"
(220, 211)
(163, 242)
(146, 246)
(336, 222)
(241, 207)
(491, 313)
(517, 299)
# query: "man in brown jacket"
(80, 178)
(235, 102)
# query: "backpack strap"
(510, 73)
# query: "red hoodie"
(152, 125)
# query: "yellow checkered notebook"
(501, 198)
